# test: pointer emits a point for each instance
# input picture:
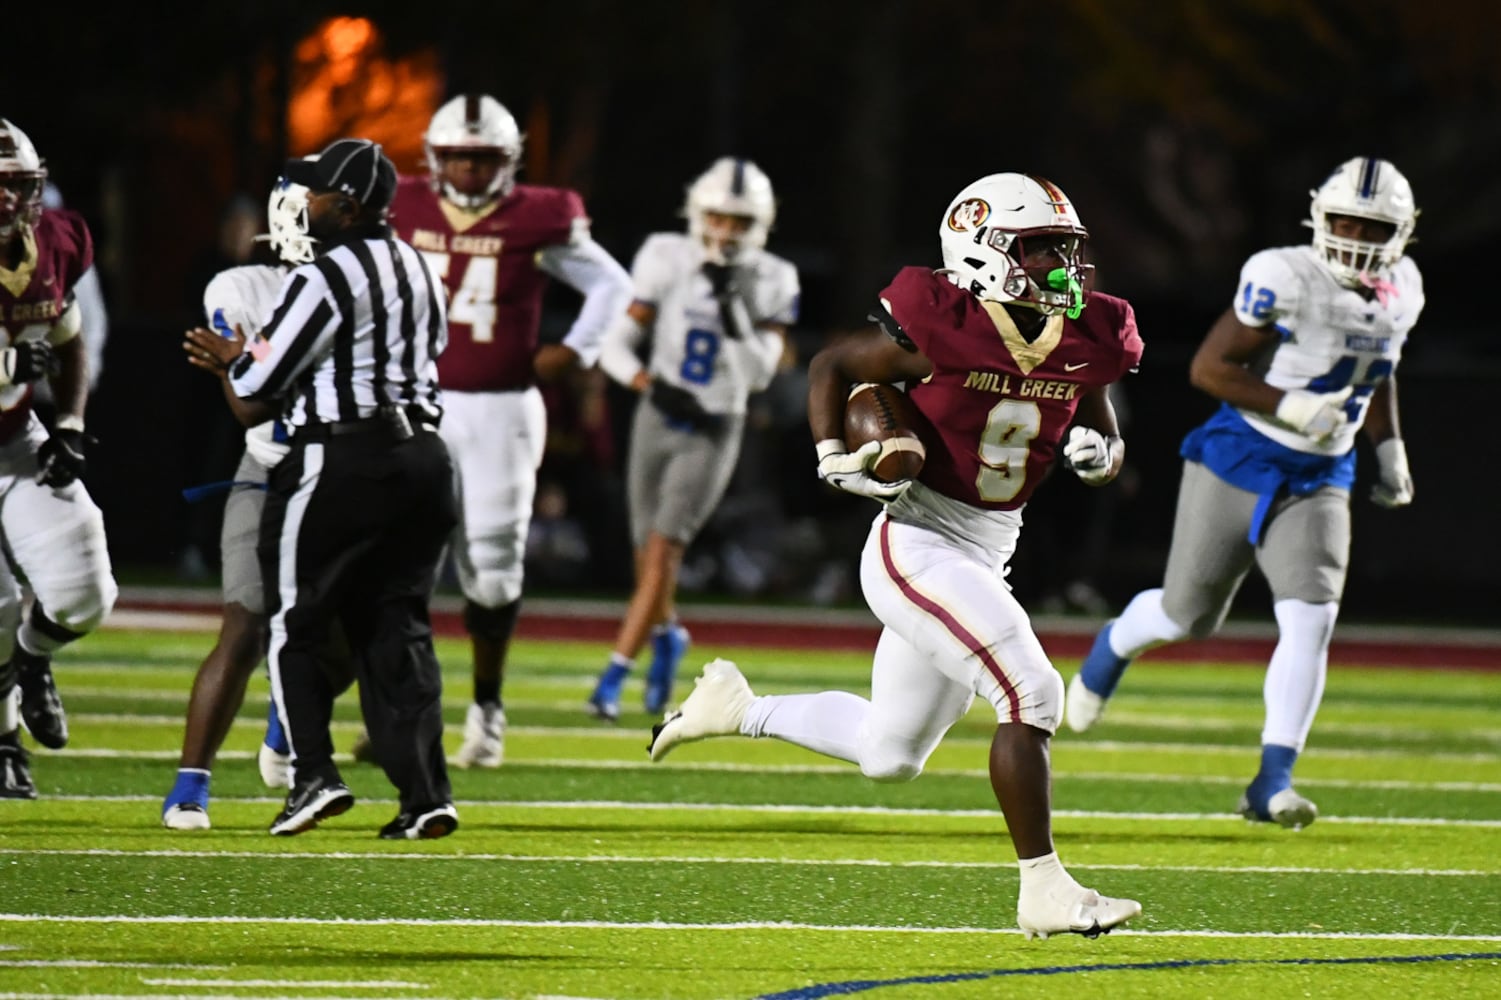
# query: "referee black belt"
(397, 423)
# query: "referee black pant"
(353, 530)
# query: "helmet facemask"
(478, 126)
(287, 218)
(730, 189)
(1362, 188)
(22, 180)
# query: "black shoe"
(15, 775)
(310, 803)
(41, 707)
(430, 824)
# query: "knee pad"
(889, 761)
(72, 611)
(1309, 625)
(494, 624)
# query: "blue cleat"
(604, 703)
(668, 647)
(1095, 682)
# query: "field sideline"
(742, 869)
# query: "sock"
(487, 690)
(276, 737)
(1295, 675)
(828, 722)
(191, 788)
(1276, 773)
(621, 664)
(1045, 874)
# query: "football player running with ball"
(494, 244)
(716, 306)
(1003, 351)
(1305, 356)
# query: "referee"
(358, 512)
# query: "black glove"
(60, 459)
(29, 360)
(722, 279)
(681, 406)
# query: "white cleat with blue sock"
(1093, 685)
(186, 807)
(1285, 808)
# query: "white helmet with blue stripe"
(731, 187)
(1364, 188)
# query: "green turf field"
(742, 869)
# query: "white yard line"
(1144, 777)
(665, 859)
(594, 804)
(743, 925)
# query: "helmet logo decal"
(968, 215)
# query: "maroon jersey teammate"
(54, 533)
(495, 244)
(1003, 351)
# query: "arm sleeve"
(589, 269)
(617, 356)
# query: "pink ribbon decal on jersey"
(1385, 290)
(951, 623)
(260, 349)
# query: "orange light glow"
(343, 84)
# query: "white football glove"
(1319, 415)
(850, 471)
(1393, 486)
(1088, 453)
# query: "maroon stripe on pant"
(951, 623)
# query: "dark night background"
(1187, 134)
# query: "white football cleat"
(1082, 708)
(716, 707)
(484, 737)
(276, 769)
(1285, 808)
(185, 816)
(1077, 911)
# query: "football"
(883, 413)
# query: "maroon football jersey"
(997, 405)
(64, 250)
(490, 270)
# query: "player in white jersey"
(1304, 359)
(716, 307)
(240, 298)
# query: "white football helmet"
(473, 122)
(732, 186)
(22, 177)
(983, 236)
(287, 218)
(1366, 188)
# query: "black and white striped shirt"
(358, 328)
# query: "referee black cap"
(357, 167)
